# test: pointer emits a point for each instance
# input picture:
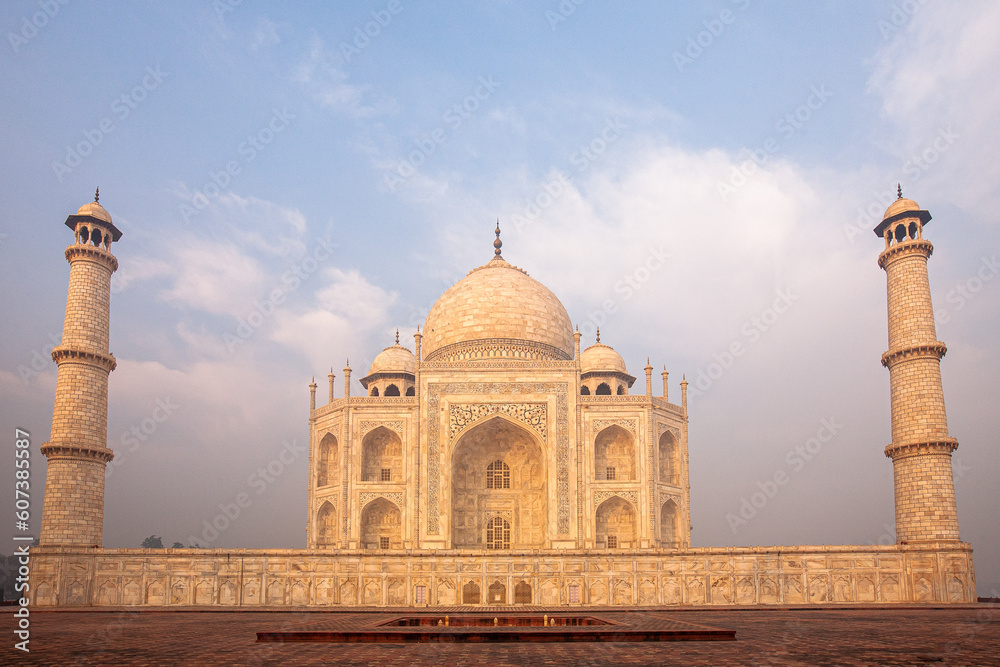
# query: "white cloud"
(214, 278)
(265, 34)
(320, 72)
(939, 74)
(345, 314)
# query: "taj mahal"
(500, 461)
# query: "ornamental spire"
(899, 191)
(498, 243)
(97, 196)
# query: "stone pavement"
(870, 635)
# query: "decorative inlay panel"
(662, 428)
(532, 415)
(664, 497)
(368, 496)
(365, 426)
(627, 424)
(601, 496)
(559, 390)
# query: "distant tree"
(152, 542)
(176, 545)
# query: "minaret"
(77, 452)
(921, 448)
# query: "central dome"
(498, 310)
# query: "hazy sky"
(352, 158)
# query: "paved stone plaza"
(866, 635)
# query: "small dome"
(394, 359)
(498, 301)
(600, 358)
(899, 206)
(95, 210)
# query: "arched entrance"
(498, 487)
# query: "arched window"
(585, 390)
(410, 391)
(498, 475)
(497, 533)
(374, 391)
(603, 389)
(392, 390)
(621, 390)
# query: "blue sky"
(745, 141)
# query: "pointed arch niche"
(615, 520)
(614, 454)
(381, 456)
(669, 467)
(669, 520)
(381, 525)
(498, 444)
(326, 526)
(328, 463)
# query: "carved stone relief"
(532, 415)
(395, 425)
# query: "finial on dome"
(899, 191)
(97, 196)
(397, 335)
(598, 334)
(498, 243)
